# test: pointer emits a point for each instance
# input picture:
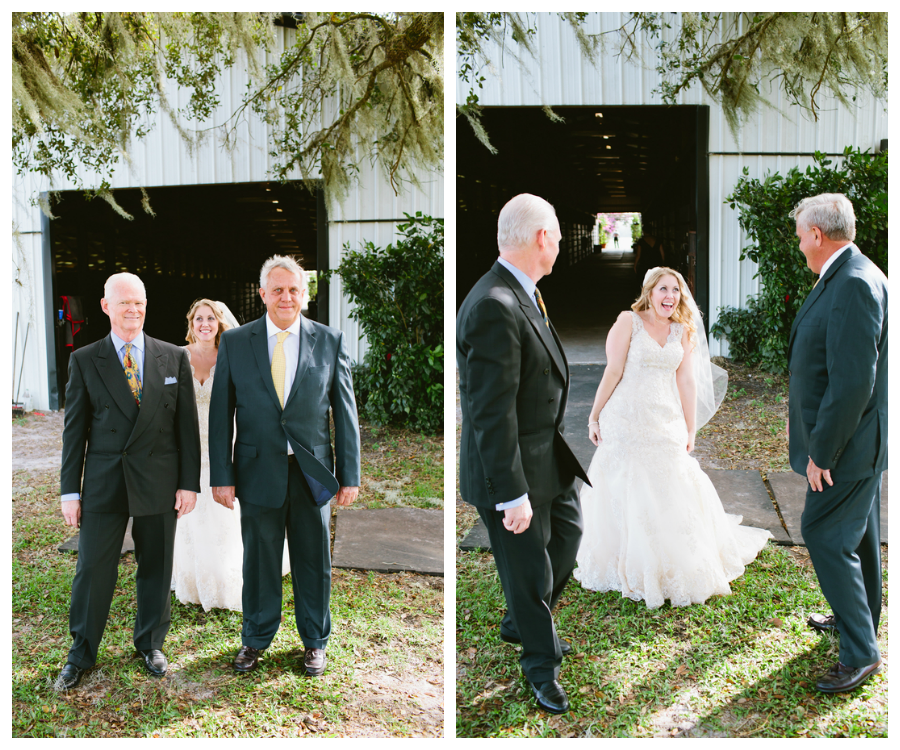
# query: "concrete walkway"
(386, 540)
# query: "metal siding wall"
(560, 76)
(162, 159)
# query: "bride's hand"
(594, 433)
(690, 445)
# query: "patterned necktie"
(132, 374)
(540, 301)
(279, 367)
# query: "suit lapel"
(545, 334)
(818, 291)
(307, 345)
(259, 342)
(113, 377)
(155, 361)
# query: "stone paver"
(743, 493)
(127, 542)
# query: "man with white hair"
(131, 447)
(838, 429)
(515, 466)
(278, 380)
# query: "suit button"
(124, 453)
(150, 454)
(112, 430)
(107, 406)
(551, 400)
(283, 421)
(160, 429)
(547, 371)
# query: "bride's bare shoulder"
(625, 321)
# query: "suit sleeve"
(75, 430)
(187, 429)
(851, 357)
(493, 352)
(221, 421)
(346, 421)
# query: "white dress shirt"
(828, 263)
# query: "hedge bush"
(759, 334)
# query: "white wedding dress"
(209, 553)
(654, 527)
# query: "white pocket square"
(169, 381)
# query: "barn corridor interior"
(204, 241)
(646, 159)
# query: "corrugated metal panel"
(559, 75)
(162, 159)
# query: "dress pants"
(99, 549)
(842, 529)
(534, 567)
(309, 548)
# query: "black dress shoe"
(247, 659)
(564, 645)
(841, 678)
(68, 678)
(155, 661)
(824, 623)
(550, 696)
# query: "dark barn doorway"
(647, 159)
(204, 241)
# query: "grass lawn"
(385, 670)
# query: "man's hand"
(72, 512)
(814, 474)
(224, 496)
(185, 500)
(346, 495)
(518, 519)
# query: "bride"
(208, 548)
(654, 527)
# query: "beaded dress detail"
(654, 527)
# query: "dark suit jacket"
(243, 392)
(838, 372)
(125, 459)
(513, 386)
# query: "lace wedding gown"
(654, 527)
(209, 553)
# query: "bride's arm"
(617, 342)
(687, 389)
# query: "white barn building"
(219, 214)
(620, 149)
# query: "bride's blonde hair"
(682, 313)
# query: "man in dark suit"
(838, 429)
(279, 378)
(131, 447)
(515, 465)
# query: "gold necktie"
(279, 367)
(540, 301)
(132, 375)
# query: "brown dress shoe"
(841, 678)
(314, 661)
(246, 659)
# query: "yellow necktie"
(279, 367)
(540, 301)
(132, 375)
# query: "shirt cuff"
(70, 496)
(512, 503)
